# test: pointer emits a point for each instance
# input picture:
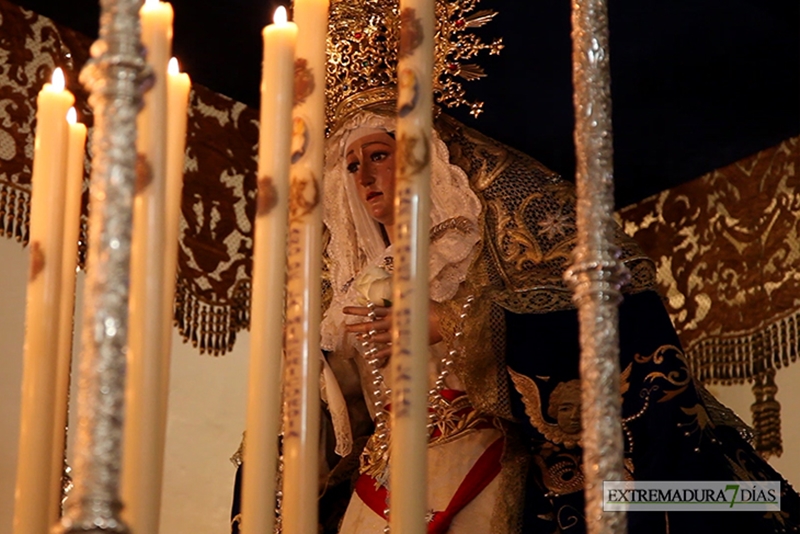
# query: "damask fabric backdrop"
(219, 182)
(727, 251)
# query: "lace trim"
(462, 224)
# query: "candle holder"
(117, 77)
(597, 274)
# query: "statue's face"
(370, 162)
(569, 416)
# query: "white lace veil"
(356, 239)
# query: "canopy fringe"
(752, 357)
(739, 358)
(15, 208)
(211, 328)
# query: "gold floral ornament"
(267, 196)
(563, 406)
(410, 32)
(374, 285)
(303, 81)
(413, 155)
(304, 196)
(299, 139)
(363, 44)
(37, 261)
(407, 79)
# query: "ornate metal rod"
(115, 77)
(597, 275)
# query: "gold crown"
(363, 38)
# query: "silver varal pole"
(597, 275)
(114, 77)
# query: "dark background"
(696, 84)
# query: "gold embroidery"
(680, 378)
(462, 224)
(739, 466)
(625, 379)
(300, 203)
(564, 406)
(561, 470)
(528, 228)
(451, 420)
(700, 416)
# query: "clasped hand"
(379, 330)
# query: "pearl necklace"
(379, 387)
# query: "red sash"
(481, 475)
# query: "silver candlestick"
(117, 77)
(597, 275)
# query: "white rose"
(374, 285)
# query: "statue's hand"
(379, 330)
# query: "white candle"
(303, 293)
(178, 88)
(76, 145)
(148, 365)
(269, 260)
(35, 494)
(410, 351)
